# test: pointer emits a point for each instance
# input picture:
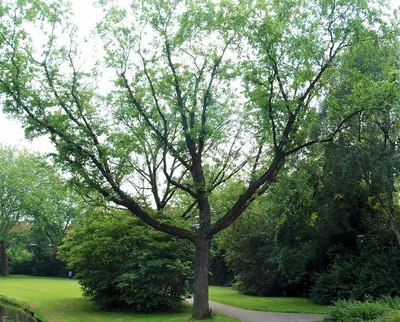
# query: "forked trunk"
(201, 309)
(4, 259)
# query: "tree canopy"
(185, 96)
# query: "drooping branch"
(117, 195)
(134, 207)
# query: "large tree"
(184, 96)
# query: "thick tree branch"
(324, 140)
(207, 98)
(163, 139)
(154, 95)
(248, 196)
(181, 107)
(118, 196)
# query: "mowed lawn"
(59, 299)
(228, 296)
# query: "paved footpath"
(258, 316)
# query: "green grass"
(58, 299)
(228, 296)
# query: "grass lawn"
(229, 296)
(58, 299)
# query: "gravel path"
(258, 316)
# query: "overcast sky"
(11, 132)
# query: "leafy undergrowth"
(58, 300)
(229, 296)
(384, 310)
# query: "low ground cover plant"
(386, 309)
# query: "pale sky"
(11, 132)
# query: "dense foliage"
(321, 233)
(122, 263)
(47, 265)
(329, 228)
(251, 254)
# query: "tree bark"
(201, 309)
(395, 230)
(4, 259)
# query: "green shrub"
(335, 284)
(379, 274)
(45, 265)
(372, 274)
(122, 263)
(356, 311)
(251, 254)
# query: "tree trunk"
(4, 259)
(395, 229)
(201, 309)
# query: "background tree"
(193, 83)
(36, 206)
(19, 172)
(52, 208)
(251, 253)
(333, 213)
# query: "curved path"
(258, 316)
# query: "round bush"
(122, 263)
